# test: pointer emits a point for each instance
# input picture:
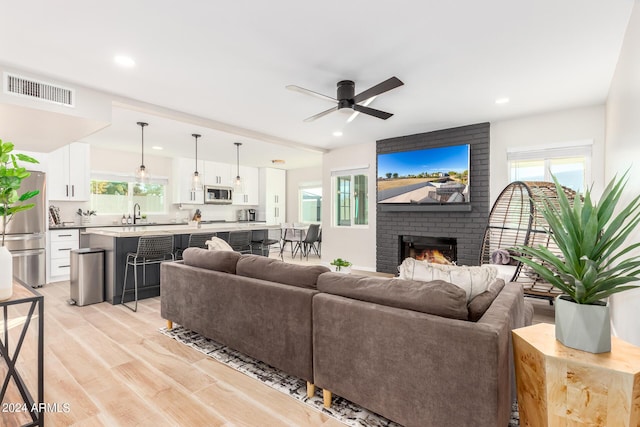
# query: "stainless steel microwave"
(218, 195)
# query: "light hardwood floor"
(114, 368)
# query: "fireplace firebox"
(439, 250)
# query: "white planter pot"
(6, 273)
(584, 327)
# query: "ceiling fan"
(345, 98)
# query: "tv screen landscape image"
(428, 176)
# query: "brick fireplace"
(465, 226)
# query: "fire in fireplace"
(438, 250)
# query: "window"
(571, 165)
(117, 195)
(310, 204)
(351, 198)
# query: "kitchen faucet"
(137, 216)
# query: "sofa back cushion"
(435, 297)
(474, 280)
(274, 270)
(481, 303)
(223, 261)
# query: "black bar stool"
(151, 250)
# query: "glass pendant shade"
(237, 183)
(196, 183)
(141, 173)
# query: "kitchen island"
(119, 241)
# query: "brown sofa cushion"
(224, 261)
(274, 270)
(481, 302)
(436, 297)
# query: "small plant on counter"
(338, 263)
(85, 213)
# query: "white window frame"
(550, 152)
(360, 170)
(131, 180)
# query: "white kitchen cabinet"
(250, 194)
(60, 244)
(69, 173)
(183, 192)
(218, 174)
(273, 189)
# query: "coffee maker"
(251, 214)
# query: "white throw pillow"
(217, 244)
(474, 280)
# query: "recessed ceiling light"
(124, 61)
(156, 147)
(502, 100)
(337, 133)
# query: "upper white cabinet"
(183, 192)
(217, 174)
(250, 194)
(69, 173)
(273, 189)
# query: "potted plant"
(593, 263)
(339, 263)
(11, 177)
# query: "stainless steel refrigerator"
(26, 234)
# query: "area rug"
(341, 409)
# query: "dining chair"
(310, 240)
(151, 250)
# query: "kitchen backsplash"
(209, 213)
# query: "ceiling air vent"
(22, 86)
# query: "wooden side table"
(561, 386)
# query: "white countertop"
(150, 230)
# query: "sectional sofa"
(418, 353)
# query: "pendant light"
(141, 173)
(196, 184)
(237, 184)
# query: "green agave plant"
(11, 176)
(590, 236)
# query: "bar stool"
(240, 241)
(196, 240)
(151, 250)
(262, 240)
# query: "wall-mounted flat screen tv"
(430, 176)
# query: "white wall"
(296, 178)
(580, 124)
(623, 151)
(357, 245)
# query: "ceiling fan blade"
(355, 113)
(383, 87)
(372, 112)
(324, 113)
(310, 92)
